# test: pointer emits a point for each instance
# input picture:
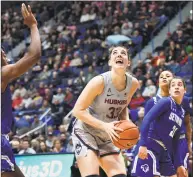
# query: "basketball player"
(8, 73)
(101, 104)
(157, 140)
(164, 79)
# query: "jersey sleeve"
(149, 105)
(152, 115)
(186, 106)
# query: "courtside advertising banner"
(46, 165)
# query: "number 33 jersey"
(108, 105)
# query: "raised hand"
(28, 16)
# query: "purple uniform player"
(8, 73)
(183, 144)
(161, 126)
(185, 141)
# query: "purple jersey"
(181, 145)
(167, 118)
(185, 104)
(6, 111)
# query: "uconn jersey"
(107, 106)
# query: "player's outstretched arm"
(12, 71)
(153, 114)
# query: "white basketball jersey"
(107, 106)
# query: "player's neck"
(164, 92)
(118, 79)
(178, 100)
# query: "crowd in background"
(74, 51)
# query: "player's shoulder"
(96, 84)
(165, 100)
(135, 82)
(97, 80)
(185, 99)
(150, 101)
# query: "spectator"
(91, 74)
(57, 113)
(58, 147)
(157, 59)
(37, 100)
(26, 102)
(137, 100)
(45, 74)
(20, 91)
(41, 89)
(76, 61)
(31, 91)
(45, 106)
(50, 140)
(153, 21)
(15, 146)
(62, 129)
(35, 145)
(63, 140)
(36, 123)
(59, 96)
(126, 29)
(150, 89)
(69, 147)
(85, 16)
(48, 95)
(80, 80)
(26, 148)
(43, 148)
(54, 79)
(17, 102)
(68, 96)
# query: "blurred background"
(75, 39)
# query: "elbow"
(75, 112)
(78, 113)
(36, 56)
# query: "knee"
(92, 176)
(120, 175)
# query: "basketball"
(129, 136)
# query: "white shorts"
(83, 141)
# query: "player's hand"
(111, 129)
(142, 154)
(28, 16)
(182, 172)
